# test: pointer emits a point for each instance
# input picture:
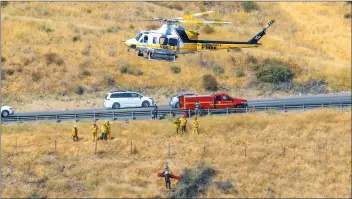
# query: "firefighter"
(155, 112)
(104, 131)
(94, 131)
(75, 133)
(108, 129)
(167, 174)
(197, 109)
(177, 125)
(195, 126)
(183, 122)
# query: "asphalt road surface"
(337, 98)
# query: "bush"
(124, 68)
(208, 29)
(79, 90)
(3, 59)
(4, 4)
(274, 72)
(217, 69)
(20, 69)
(226, 187)
(49, 30)
(76, 38)
(26, 61)
(210, 83)
(248, 6)
(313, 86)
(348, 16)
(175, 69)
(239, 72)
(113, 29)
(85, 73)
(86, 50)
(108, 80)
(131, 26)
(9, 71)
(59, 61)
(136, 72)
(36, 76)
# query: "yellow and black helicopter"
(171, 39)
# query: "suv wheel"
(5, 113)
(145, 104)
(177, 105)
(115, 106)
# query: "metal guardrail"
(148, 114)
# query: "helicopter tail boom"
(260, 34)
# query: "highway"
(339, 100)
(344, 98)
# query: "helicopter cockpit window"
(163, 41)
(145, 39)
(172, 42)
(138, 36)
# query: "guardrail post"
(94, 115)
(75, 117)
(113, 116)
(18, 118)
(341, 108)
(227, 110)
(303, 108)
(151, 113)
(170, 110)
(132, 116)
(284, 107)
(189, 113)
(246, 109)
(265, 108)
(36, 118)
(322, 105)
(56, 118)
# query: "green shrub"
(274, 72)
(239, 72)
(113, 29)
(50, 58)
(85, 73)
(175, 69)
(248, 6)
(108, 79)
(217, 69)
(9, 71)
(36, 76)
(49, 30)
(208, 29)
(76, 38)
(124, 68)
(210, 83)
(79, 90)
(4, 4)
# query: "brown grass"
(316, 161)
(313, 35)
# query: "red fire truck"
(215, 101)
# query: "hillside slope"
(65, 49)
(282, 155)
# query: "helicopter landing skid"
(160, 59)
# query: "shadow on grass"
(194, 182)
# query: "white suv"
(121, 99)
(6, 111)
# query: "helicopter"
(170, 40)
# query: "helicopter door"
(168, 43)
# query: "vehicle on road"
(175, 100)
(215, 101)
(122, 99)
(6, 111)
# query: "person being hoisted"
(168, 175)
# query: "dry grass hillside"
(56, 49)
(272, 155)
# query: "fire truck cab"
(215, 101)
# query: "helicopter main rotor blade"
(194, 15)
(204, 22)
